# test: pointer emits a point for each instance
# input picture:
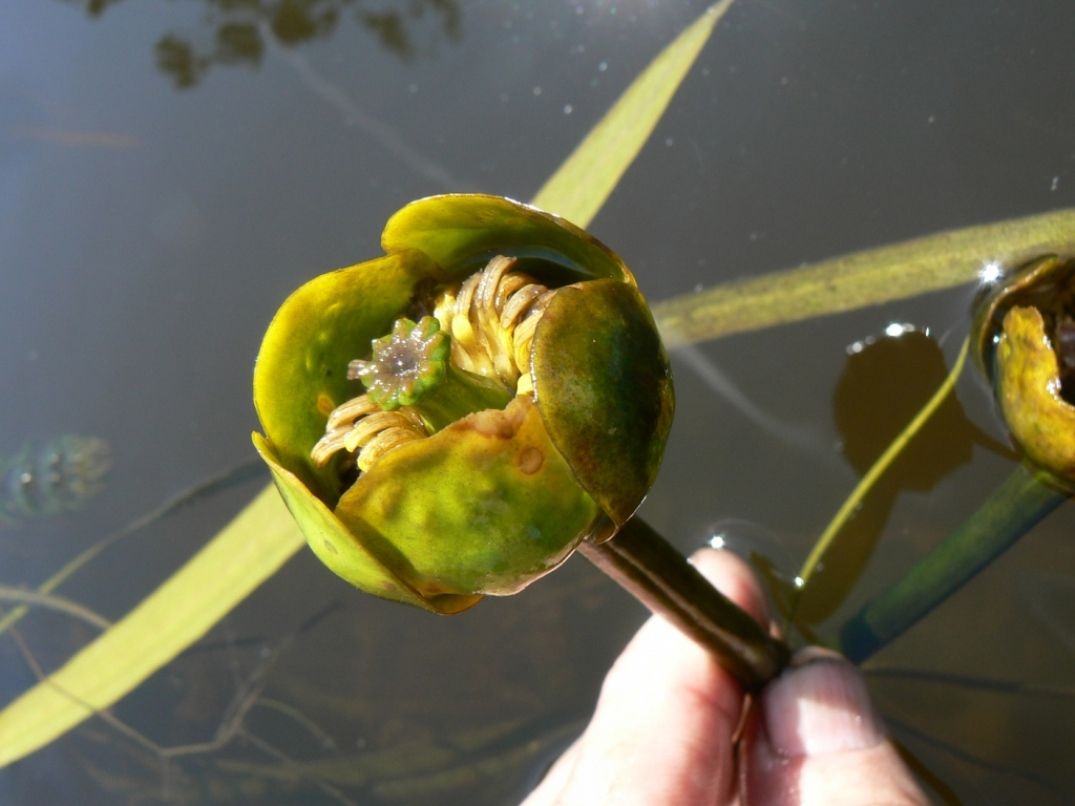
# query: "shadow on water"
(886, 381)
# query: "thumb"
(817, 739)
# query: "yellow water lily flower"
(1025, 331)
(451, 419)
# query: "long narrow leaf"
(249, 550)
(586, 179)
(861, 279)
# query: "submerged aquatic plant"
(57, 476)
(517, 400)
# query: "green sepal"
(1028, 391)
(463, 231)
(301, 371)
(485, 506)
(344, 548)
(1016, 332)
(1037, 282)
(603, 382)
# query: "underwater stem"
(1024, 498)
(655, 573)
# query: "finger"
(819, 740)
(662, 731)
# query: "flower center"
(406, 364)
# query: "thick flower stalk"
(452, 419)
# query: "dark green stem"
(1022, 500)
(656, 574)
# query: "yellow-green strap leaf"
(581, 185)
(862, 279)
(249, 550)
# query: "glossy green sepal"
(604, 384)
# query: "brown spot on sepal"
(530, 460)
(494, 423)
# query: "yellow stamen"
(484, 318)
(366, 429)
(351, 411)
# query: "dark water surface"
(152, 220)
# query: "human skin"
(664, 731)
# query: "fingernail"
(820, 705)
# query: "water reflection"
(239, 33)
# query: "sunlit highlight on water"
(990, 272)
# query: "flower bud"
(1025, 338)
(451, 419)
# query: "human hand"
(665, 725)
